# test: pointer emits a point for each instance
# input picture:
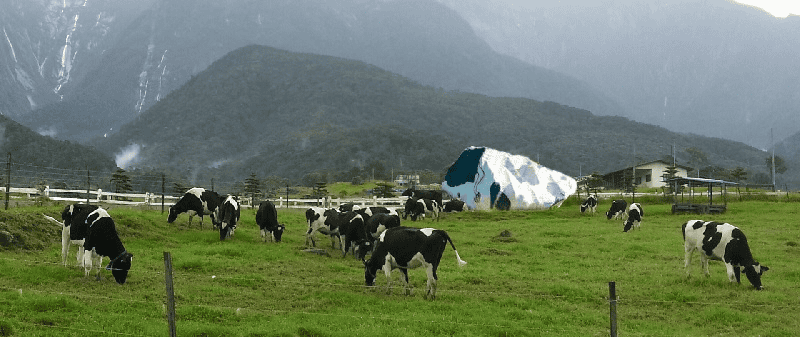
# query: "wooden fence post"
(612, 301)
(170, 294)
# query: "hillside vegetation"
(28, 147)
(273, 112)
(550, 277)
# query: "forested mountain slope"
(273, 112)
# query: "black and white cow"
(416, 208)
(721, 241)
(228, 217)
(317, 218)
(196, 201)
(406, 248)
(347, 207)
(102, 240)
(425, 194)
(635, 214)
(589, 204)
(454, 205)
(617, 209)
(353, 234)
(267, 220)
(381, 222)
(74, 229)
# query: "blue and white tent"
(486, 178)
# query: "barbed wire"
(184, 276)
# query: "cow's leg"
(87, 262)
(387, 270)
(687, 259)
(432, 280)
(79, 255)
(704, 262)
(310, 237)
(97, 260)
(346, 246)
(404, 277)
(733, 272)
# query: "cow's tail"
(461, 262)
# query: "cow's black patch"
(465, 167)
(711, 238)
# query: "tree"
(384, 190)
(179, 188)
(738, 174)
(273, 185)
(252, 187)
(697, 157)
(669, 173)
(780, 165)
(120, 182)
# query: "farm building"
(647, 175)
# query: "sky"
(778, 8)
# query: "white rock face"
(486, 178)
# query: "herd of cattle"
(712, 240)
(376, 231)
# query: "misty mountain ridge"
(273, 112)
(715, 68)
(423, 40)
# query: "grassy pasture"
(549, 278)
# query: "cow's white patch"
(427, 231)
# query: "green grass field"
(550, 278)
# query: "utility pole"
(772, 145)
(8, 178)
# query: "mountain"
(48, 47)
(710, 67)
(167, 44)
(34, 152)
(268, 111)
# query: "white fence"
(154, 199)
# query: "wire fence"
(616, 302)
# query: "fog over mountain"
(173, 40)
(709, 67)
(81, 70)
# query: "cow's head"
(278, 232)
(120, 266)
(369, 274)
(173, 214)
(753, 273)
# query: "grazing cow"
(353, 232)
(102, 240)
(406, 248)
(589, 204)
(454, 205)
(424, 194)
(418, 207)
(617, 209)
(349, 207)
(196, 201)
(267, 220)
(228, 217)
(74, 229)
(721, 241)
(317, 219)
(635, 214)
(381, 222)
